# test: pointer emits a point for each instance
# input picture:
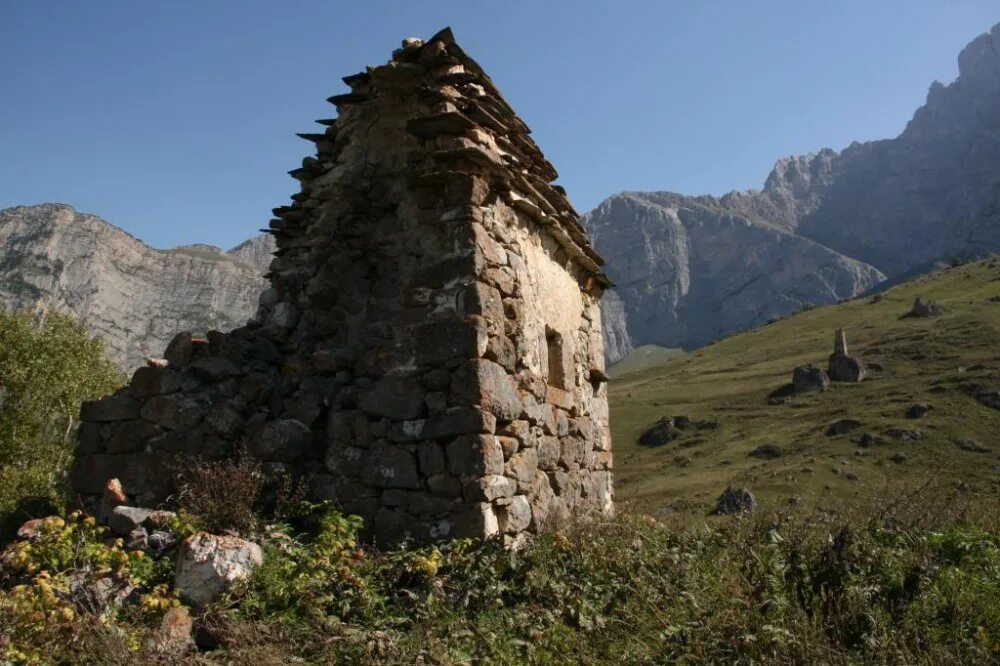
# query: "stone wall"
(429, 354)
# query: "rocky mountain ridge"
(689, 269)
(876, 210)
(131, 295)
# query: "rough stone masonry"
(429, 353)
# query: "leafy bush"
(54, 585)
(897, 585)
(328, 576)
(813, 588)
(47, 368)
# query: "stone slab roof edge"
(574, 235)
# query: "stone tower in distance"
(429, 355)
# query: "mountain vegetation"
(135, 297)
(48, 366)
(775, 503)
(948, 364)
(888, 559)
(893, 583)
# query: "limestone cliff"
(825, 226)
(689, 271)
(617, 344)
(930, 193)
(131, 295)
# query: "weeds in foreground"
(916, 579)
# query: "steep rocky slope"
(825, 227)
(691, 269)
(133, 296)
(617, 344)
(688, 271)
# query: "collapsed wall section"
(429, 355)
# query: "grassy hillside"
(641, 358)
(940, 361)
(883, 577)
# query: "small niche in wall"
(554, 344)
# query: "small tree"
(47, 368)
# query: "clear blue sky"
(176, 120)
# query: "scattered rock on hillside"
(899, 457)
(683, 461)
(138, 539)
(173, 637)
(207, 565)
(971, 445)
(30, 529)
(95, 595)
(869, 439)
(125, 519)
(917, 410)
(843, 368)
(767, 452)
(904, 435)
(922, 308)
(735, 500)
(669, 428)
(663, 432)
(781, 395)
(160, 541)
(114, 495)
(806, 378)
(990, 398)
(842, 427)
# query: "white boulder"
(208, 565)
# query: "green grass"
(858, 572)
(933, 360)
(892, 583)
(643, 357)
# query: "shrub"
(221, 494)
(813, 588)
(234, 494)
(326, 576)
(896, 584)
(58, 582)
(47, 368)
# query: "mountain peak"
(132, 296)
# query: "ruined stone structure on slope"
(841, 367)
(429, 354)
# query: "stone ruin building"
(429, 353)
(841, 366)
